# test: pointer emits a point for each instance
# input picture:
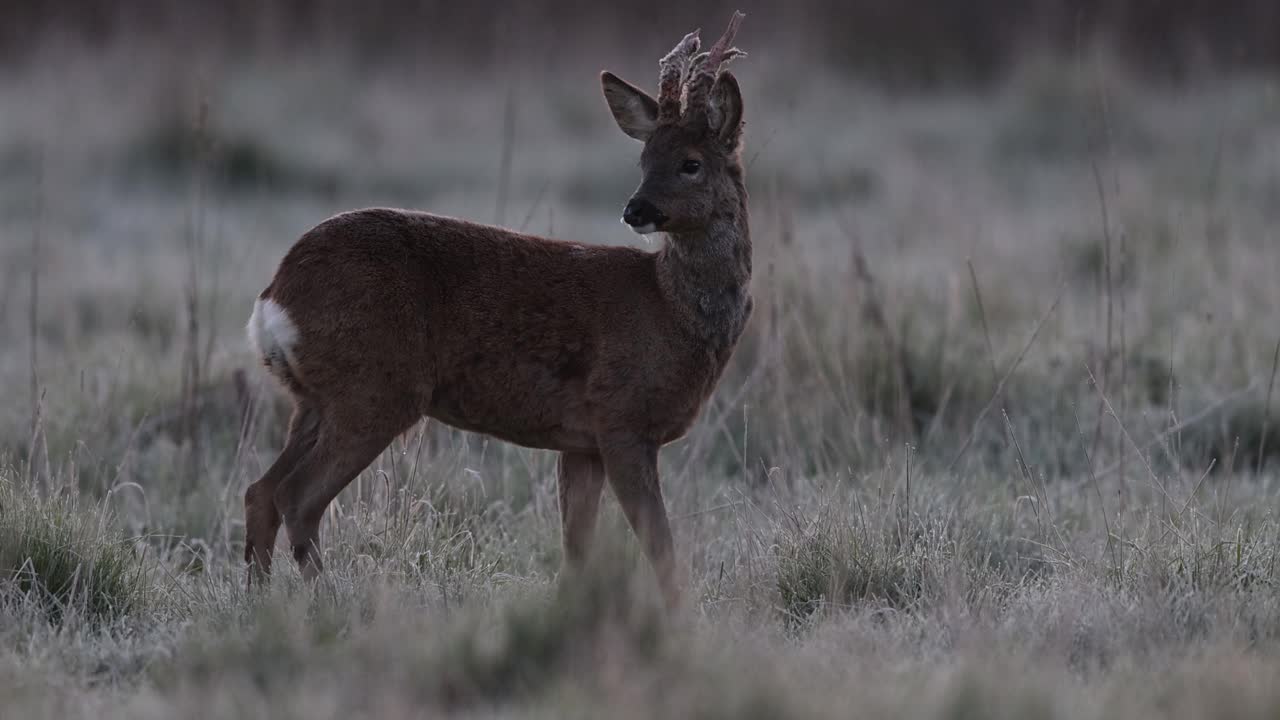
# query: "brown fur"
(601, 353)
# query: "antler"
(706, 67)
(671, 74)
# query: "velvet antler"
(672, 70)
(706, 68)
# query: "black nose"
(639, 213)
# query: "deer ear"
(633, 108)
(724, 109)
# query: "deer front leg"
(632, 469)
(581, 479)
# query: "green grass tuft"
(64, 558)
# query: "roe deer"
(379, 317)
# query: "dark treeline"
(895, 41)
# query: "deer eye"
(690, 167)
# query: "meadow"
(1001, 439)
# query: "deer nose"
(642, 214)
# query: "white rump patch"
(271, 333)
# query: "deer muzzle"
(643, 216)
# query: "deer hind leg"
(581, 479)
(632, 469)
(347, 443)
(261, 519)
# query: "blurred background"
(1075, 203)
(917, 42)
(1006, 399)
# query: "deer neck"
(705, 277)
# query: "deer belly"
(520, 413)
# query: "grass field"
(1000, 441)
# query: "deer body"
(538, 342)
(377, 318)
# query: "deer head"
(691, 161)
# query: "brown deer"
(379, 317)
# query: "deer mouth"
(645, 229)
